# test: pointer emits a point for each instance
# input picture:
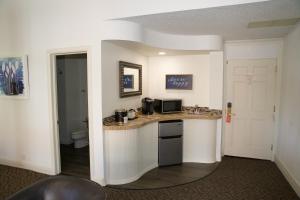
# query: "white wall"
(35, 27)
(111, 55)
(253, 49)
(5, 38)
(288, 151)
(198, 65)
(216, 79)
(130, 153)
(207, 71)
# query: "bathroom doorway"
(72, 111)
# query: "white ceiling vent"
(274, 23)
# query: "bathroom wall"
(111, 55)
(72, 95)
(198, 65)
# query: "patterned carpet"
(13, 179)
(235, 179)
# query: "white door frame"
(55, 147)
(277, 99)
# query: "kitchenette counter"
(131, 149)
(142, 120)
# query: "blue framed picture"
(14, 77)
(179, 81)
(128, 81)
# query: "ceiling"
(147, 50)
(229, 21)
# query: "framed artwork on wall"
(179, 81)
(14, 77)
(130, 79)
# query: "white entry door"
(251, 90)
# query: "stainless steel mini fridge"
(170, 136)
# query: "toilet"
(80, 138)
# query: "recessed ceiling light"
(161, 53)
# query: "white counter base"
(131, 153)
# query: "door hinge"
(271, 147)
(227, 62)
(274, 108)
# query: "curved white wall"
(124, 30)
(131, 153)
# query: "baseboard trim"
(133, 178)
(99, 181)
(28, 166)
(293, 182)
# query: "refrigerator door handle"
(170, 137)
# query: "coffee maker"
(119, 115)
(147, 106)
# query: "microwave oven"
(168, 105)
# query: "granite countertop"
(142, 120)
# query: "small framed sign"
(179, 81)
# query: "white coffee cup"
(125, 120)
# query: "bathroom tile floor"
(75, 162)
